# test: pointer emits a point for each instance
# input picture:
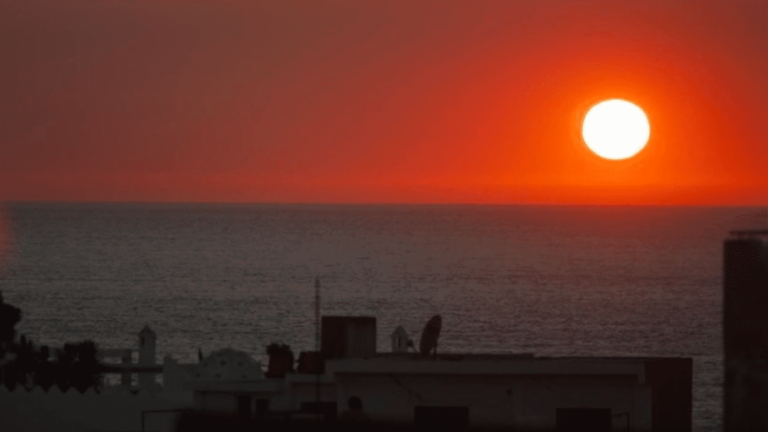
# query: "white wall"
(494, 400)
(224, 403)
(53, 411)
(537, 401)
(306, 392)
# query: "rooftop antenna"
(429, 337)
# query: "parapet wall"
(37, 410)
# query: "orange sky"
(385, 101)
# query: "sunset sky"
(379, 101)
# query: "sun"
(616, 129)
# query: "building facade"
(519, 392)
(745, 331)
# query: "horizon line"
(373, 203)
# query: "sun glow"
(616, 129)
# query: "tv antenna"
(429, 337)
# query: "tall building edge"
(745, 334)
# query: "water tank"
(348, 337)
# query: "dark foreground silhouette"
(193, 421)
(22, 363)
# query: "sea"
(547, 280)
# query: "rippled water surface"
(640, 281)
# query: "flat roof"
(586, 366)
(412, 356)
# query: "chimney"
(399, 340)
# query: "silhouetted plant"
(44, 370)
(9, 316)
(77, 366)
(25, 365)
(280, 360)
(20, 370)
(276, 349)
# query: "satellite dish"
(429, 336)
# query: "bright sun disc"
(616, 129)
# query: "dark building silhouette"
(403, 390)
(348, 337)
(745, 331)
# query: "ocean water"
(554, 281)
